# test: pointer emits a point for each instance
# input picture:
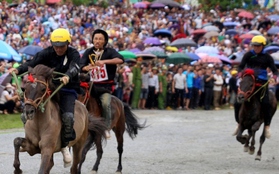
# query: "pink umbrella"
(205, 58)
(246, 14)
(246, 36)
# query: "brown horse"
(43, 128)
(121, 115)
(251, 116)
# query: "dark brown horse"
(251, 116)
(122, 119)
(43, 128)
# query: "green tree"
(222, 4)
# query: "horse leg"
(254, 128)
(239, 137)
(259, 153)
(99, 152)
(46, 160)
(17, 143)
(77, 149)
(86, 148)
(119, 137)
(248, 137)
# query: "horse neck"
(48, 114)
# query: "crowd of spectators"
(207, 83)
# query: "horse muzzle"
(29, 111)
(240, 98)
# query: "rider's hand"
(99, 63)
(13, 70)
(65, 80)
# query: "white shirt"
(3, 99)
(153, 81)
(180, 81)
(218, 82)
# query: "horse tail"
(132, 123)
(96, 128)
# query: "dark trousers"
(208, 96)
(195, 98)
(179, 94)
(67, 101)
(150, 103)
(9, 106)
(119, 93)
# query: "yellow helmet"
(60, 37)
(258, 40)
(233, 72)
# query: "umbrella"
(5, 78)
(231, 32)
(199, 31)
(140, 5)
(152, 41)
(169, 48)
(183, 42)
(246, 36)
(271, 48)
(246, 14)
(274, 17)
(158, 54)
(179, 36)
(207, 49)
(8, 53)
(229, 23)
(157, 5)
(52, 1)
(163, 32)
(153, 49)
(275, 55)
(208, 58)
(193, 56)
(273, 30)
(174, 26)
(127, 54)
(255, 32)
(211, 28)
(223, 58)
(13, 5)
(207, 24)
(219, 24)
(30, 50)
(211, 34)
(177, 58)
(146, 56)
(236, 57)
(169, 3)
(135, 50)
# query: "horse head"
(36, 89)
(246, 86)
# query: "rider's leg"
(67, 106)
(236, 116)
(106, 110)
(265, 104)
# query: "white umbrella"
(255, 32)
(211, 34)
(183, 42)
(211, 28)
(275, 55)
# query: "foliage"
(10, 121)
(81, 2)
(222, 5)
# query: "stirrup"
(67, 157)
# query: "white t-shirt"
(180, 81)
(218, 82)
(3, 99)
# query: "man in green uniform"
(136, 83)
(162, 88)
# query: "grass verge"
(10, 121)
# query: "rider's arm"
(114, 57)
(74, 67)
(272, 65)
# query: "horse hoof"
(66, 165)
(18, 171)
(93, 172)
(245, 149)
(118, 172)
(251, 152)
(258, 158)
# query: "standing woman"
(101, 63)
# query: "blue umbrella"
(229, 23)
(30, 50)
(231, 32)
(8, 53)
(152, 41)
(162, 32)
(207, 49)
(271, 48)
(193, 56)
(273, 30)
(274, 17)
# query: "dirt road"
(176, 142)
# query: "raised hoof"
(93, 172)
(245, 149)
(66, 165)
(258, 158)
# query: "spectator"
(9, 100)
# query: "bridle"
(38, 100)
(248, 93)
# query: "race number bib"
(99, 74)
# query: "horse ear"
(51, 71)
(30, 69)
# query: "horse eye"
(43, 89)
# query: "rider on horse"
(63, 59)
(258, 60)
(101, 63)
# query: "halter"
(248, 93)
(36, 103)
